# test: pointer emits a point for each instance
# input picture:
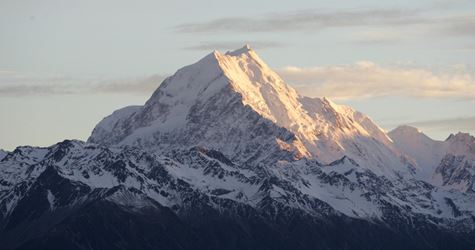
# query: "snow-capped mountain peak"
(209, 93)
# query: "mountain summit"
(225, 155)
(235, 103)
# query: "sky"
(64, 65)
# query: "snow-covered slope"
(225, 151)
(50, 185)
(340, 188)
(425, 151)
(235, 103)
(447, 163)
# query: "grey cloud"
(305, 20)
(26, 90)
(459, 26)
(428, 22)
(451, 124)
(377, 38)
(139, 86)
(233, 45)
(144, 85)
(468, 48)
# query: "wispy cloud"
(448, 124)
(139, 85)
(462, 25)
(380, 36)
(206, 46)
(362, 79)
(14, 85)
(467, 48)
(305, 20)
(366, 79)
(428, 22)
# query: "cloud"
(366, 80)
(233, 45)
(395, 23)
(360, 80)
(458, 25)
(139, 86)
(448, 124)
(380, 36)
(305, 20)
(20, 85)
(467, 48)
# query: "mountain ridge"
(226, 155)
(440, 161)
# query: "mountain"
(225, 155)
(235, 103)
(449, 163)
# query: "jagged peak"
(68, 143)
(245, 52)
(460, 136)
(244, 72)
(450, 137)
(245, 49)
(228, 64)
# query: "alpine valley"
(225, 155)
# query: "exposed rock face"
(456, 172)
